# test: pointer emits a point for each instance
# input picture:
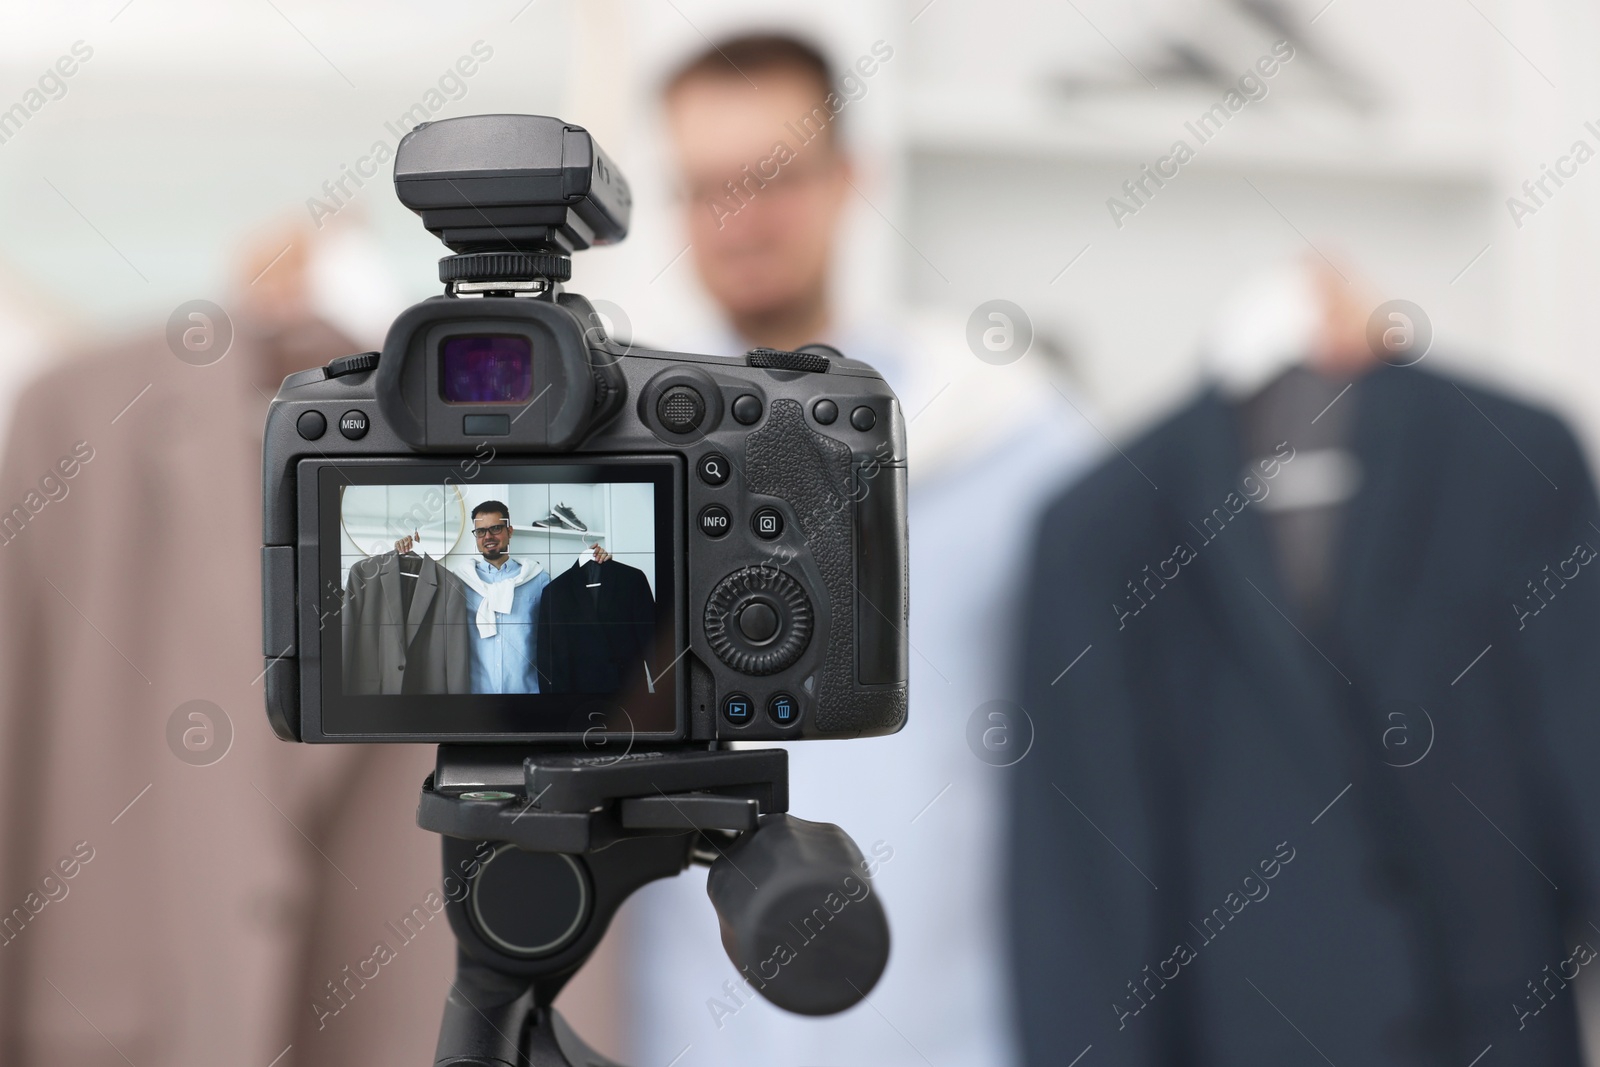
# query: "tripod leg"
(571, 1046)
(485, 1018)
(491, 1020)
(498, 1013)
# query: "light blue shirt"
(505, 662)
(922, 793)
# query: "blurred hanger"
(1266, 326)
(1306, 312)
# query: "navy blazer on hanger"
(1239, 840)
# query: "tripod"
(541, 848)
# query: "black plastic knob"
(758, 622)
(353, 364)
(737, 641)
(504, 266)
(798, 905)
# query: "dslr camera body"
(751, 511)
(580, 568)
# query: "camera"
(509, 527)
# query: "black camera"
(509, 527)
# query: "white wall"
(620, 517)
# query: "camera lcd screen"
(532, 598)
(477, 369)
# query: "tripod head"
(570, 835)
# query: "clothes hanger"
(1266, 326)
(586, 557)
(1302, 313)
(1305, 313)
(410, 561)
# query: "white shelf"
(1313, 137)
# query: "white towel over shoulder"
(495, 598)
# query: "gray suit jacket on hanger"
(425, 651)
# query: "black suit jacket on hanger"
(1209, 738)
(595, 641)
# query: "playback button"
(715, 520)
(738, 709)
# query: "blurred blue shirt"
(923, 793)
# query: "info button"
(715, 520)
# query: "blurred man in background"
(765, 182)
(234, 886)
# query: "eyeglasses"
(497, 529)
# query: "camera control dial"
(759, 620)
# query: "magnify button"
(713, 468)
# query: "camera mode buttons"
(713, 468)
(311, 425)
(767, 523)
(783, 709)
(747, 409)
(715, 520)
(353, 424)
(738, 709)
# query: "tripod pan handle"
(801, 918)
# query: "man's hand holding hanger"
(409, 541)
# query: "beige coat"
(217, 901)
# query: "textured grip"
(815, 475)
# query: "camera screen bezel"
(329, 714)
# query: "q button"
(713, 468)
